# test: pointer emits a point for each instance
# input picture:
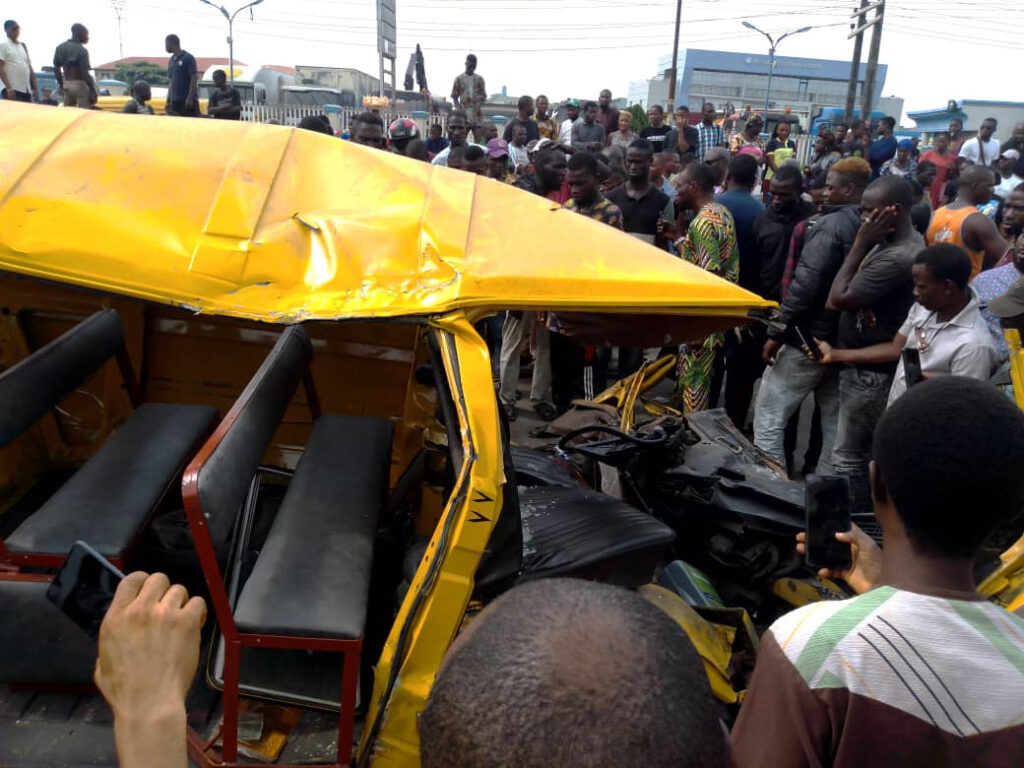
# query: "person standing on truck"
(71, 68)
(184, 78)
(225, 102)
(15, 66)
(469, 94)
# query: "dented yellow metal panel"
(282, 225)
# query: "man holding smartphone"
(919, 670)
(944, 327)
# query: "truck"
(256, 85)
(829, 117)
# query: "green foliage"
(639, 117)
(154, 74)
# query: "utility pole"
(671, 101)
(119, 12)
(860, 17)
(231, 23)
(867, 96)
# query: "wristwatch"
(676, 242)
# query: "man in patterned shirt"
(709, 134)
(469, 94)
(918, 669)
(709, 243)
(586, 191)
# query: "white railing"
(340, 120)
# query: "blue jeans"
(783, 388)
(862, 399)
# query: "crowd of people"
(871, 246)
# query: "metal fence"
(341, 118)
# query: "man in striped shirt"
(919, 669)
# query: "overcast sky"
(936, 49)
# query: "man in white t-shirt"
(983, 149)
(572, 109)
(19, 81)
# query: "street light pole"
(231, 39)
(675, 61)
(773, 44)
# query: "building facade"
(737, 79)
(971, 112)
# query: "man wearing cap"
(497, 161)
(15, 67)
(1009, 169)
(903, 164)
(572, 109)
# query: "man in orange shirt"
(961, 223)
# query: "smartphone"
(807, 340)
(912, 366)
(84, 587)
(828, 512)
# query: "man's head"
(847, 180)
(886, 125)
(956, 125)
(470, 64)
(401, 131)
(519, 135)
(785, 188)
(458, 128)
(589, 112)
(172, 44)
(455, 159)
(582, 177)
(660, 166)
(708, 112)
(12, 30)
(497, 159)
(566, 672)
(435, 131)
(572, 109)
(940, 275)
(525, 105)
(417, 150)
(695, 185)
(817, 187)
(717, 158)
(220, 79)
(925, 173)
(316, 124)
(1018, 133)
(682, 117)
(656, 115)
(840, 133)
(549, 168)
(987, 128)
(946, 468)
(976, 184)
(605, 99)
(369, 130)
(742, 173)
(474, 160)
(80, 34)
(889, 192)
(141, 91)
(782, 131)
(542, 107)
(1013, 212)
(942, 142)
(1007, 162)
(489, 131)
(638, 160)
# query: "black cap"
(10, 24)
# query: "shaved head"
(563, 672)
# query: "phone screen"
(84, 587)
(828, 512)
(912, 366)
(807, 340)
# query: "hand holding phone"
(84, 587)
(912, 366)
(827, 499)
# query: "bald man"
(565, 672)
(961, 223)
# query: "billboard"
(387, 32)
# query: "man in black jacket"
(792, 375)
(774, 228)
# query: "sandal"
(546, 411)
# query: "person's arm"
(965, 151)
(975, 361)
(57, 70)
(681, 143)
(599, 143)
(481, 91)
(456, 93)
(31, 75)
(871, 233)
(148, 653)
(193, 82)
(769, 156)
(8, 92)
(85, 68)
(981, 234)
(889, 352)
(234, 106)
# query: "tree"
(639, 117)
(154, 74)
